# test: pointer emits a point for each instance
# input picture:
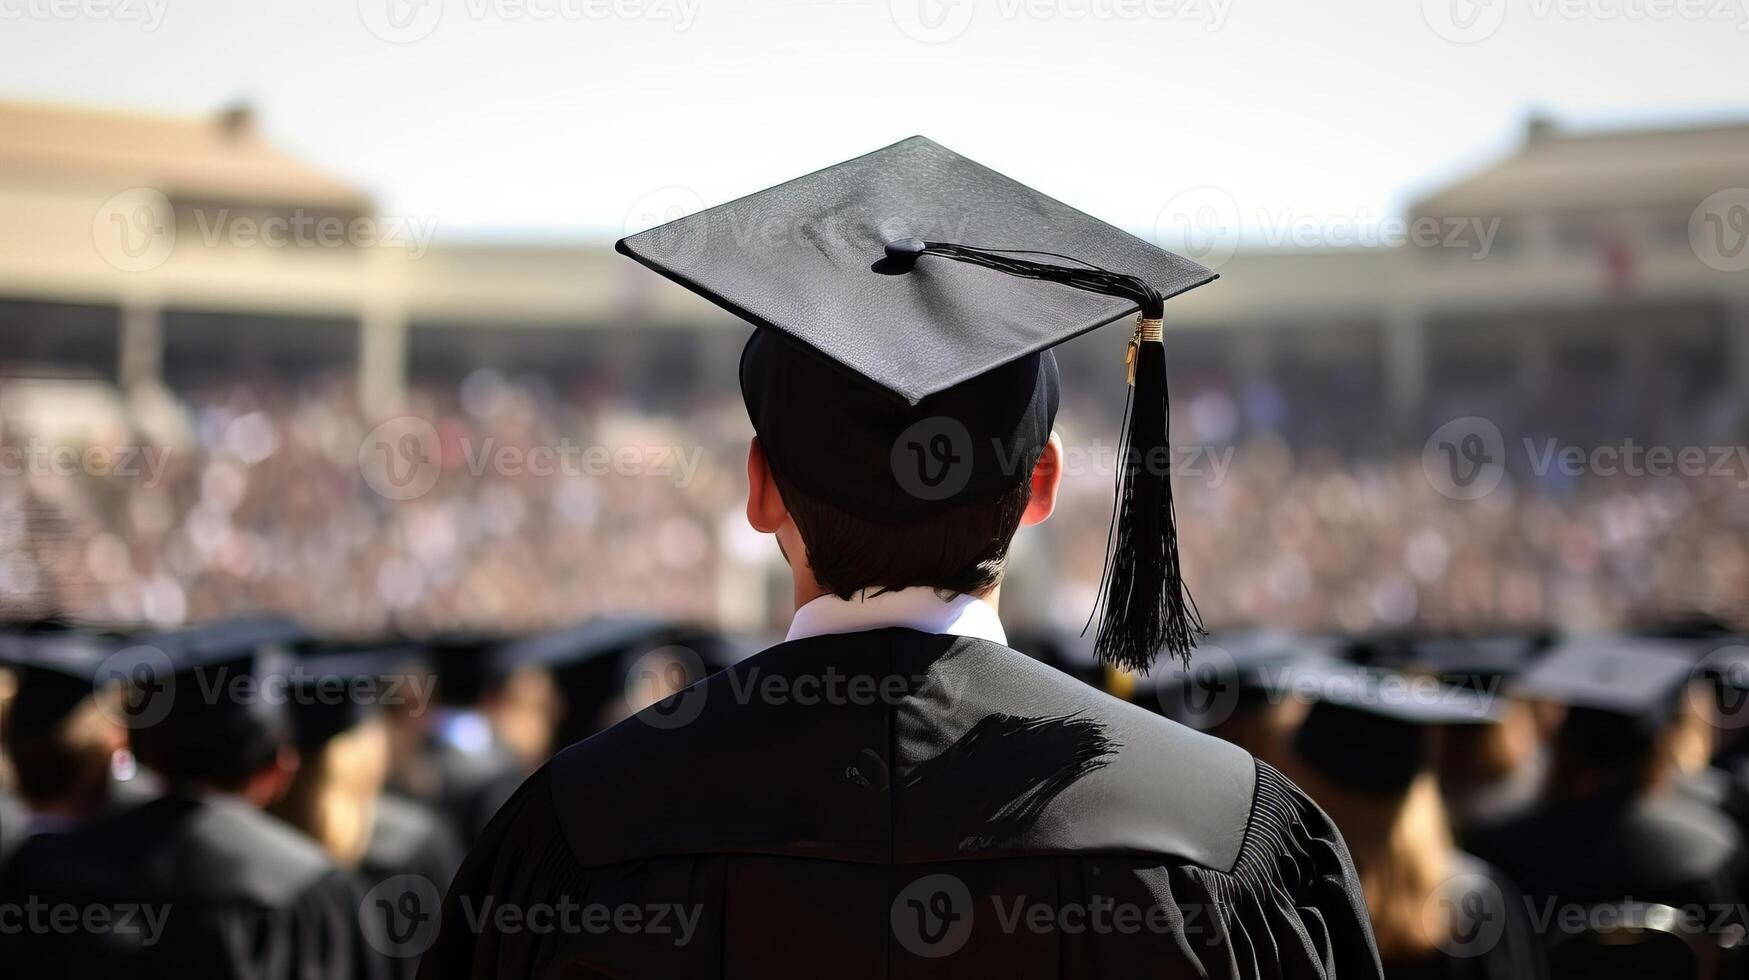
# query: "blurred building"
(1562, 281)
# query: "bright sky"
(569, 118)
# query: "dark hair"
(961, 550)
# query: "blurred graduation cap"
(328, 692)
(1239, 670)
(1620, 691)
(58, 664)
(906, 303)
(199, 706)
(1371, 728)
(1479, 658)
(593, 662)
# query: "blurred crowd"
(265, 501)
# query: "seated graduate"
(342, 741)
(1611, 824)
(1366, 754)
(893, 791)
(217, 888)
(491, 725)
(61, 732)
(1489, 773)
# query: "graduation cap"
(336, 686)
(906, 303)
(593, 662)
(1620, 691)
(1238, 671)
(1371, 727)
(1479, 658)
(58, 665)
(202, 707)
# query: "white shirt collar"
(917, 608)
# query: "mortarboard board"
(598, 663)
(336, 685)
(202, 706)
(1239, 670)
(1371, 728)
(1619, 691)
(58, 665)
(1627, 676)
(906, 303)
(1479, 658)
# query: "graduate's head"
(866, 491)
(61, 737)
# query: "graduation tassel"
(1144, 606)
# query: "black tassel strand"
(1144, 605)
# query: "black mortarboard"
(1628, 676)
(1371, 728)
(57, 665)
(204, 703)
(907, 302)
(595, 663)
(1238, 671)
(467, 665)
(1479, 658)
(337, 685)
(1620, 691)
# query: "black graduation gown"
(1668, 849)
(13, 822)
(899, 804)
(235, 893)
(1492, 938)
(408, 838)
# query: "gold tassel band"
(1147, 331)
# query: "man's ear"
(1047, 479)
(765, 509)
